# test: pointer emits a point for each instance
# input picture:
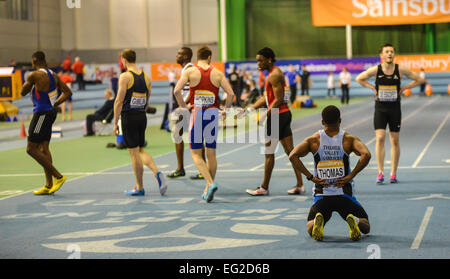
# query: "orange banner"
(378, 12)
(429, 62)
(160, 71)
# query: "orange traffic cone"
(448, 89)
(407, 93)
(428, 90)
(23, 133)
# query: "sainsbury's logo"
(386, 8)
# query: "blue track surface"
(408, 220)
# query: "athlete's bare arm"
(124, 80)
(66, 92)
(180, 85)
(362, 78)
(148, 82)
(359, 149)
(416, 79)
(225, 84)
(276, 79)
(28, 85)
(310, 144)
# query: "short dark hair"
(203, 52)
(129, 55)
(386, 45)
(331, 115)
(267, 53)
(188, 52)
(39, 57)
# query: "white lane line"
(422, 228)
(430, 141)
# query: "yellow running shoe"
(57, 183)
(355, 233)
(317, 231)
(43, 191)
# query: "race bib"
(387, 93)
(330, 170)
(287, 95)
(138, 100)
(53, 95)
(204, 98)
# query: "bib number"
(330, 170)
(204, 98)
(138, 100)
(387, 93)
(52, 96)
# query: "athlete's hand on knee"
(320, 182)
(342, 181)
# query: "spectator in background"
(78, 69)
(306, 81)
(103, 113)
(67, 79)
(293, 78)
(345, 78)
(67, 64)
(12, 63)
(331, 85)
(114, 83)
(422, 85)
(233, 77)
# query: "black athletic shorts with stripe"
(284, 125)
(342, 204)
(134, 124)
(40, 128)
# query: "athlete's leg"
(201, 166)
(395, 150)
(44, 147)
(63, 110)
(212, 160)
(147, 160)
(288, 146)
(35, 152)
(380, 135)
(138, 168)
(179, 149)
(269, 162)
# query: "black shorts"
(284, 125)
(40, 128)
(385, 115)
(343, 205)
(133, 128)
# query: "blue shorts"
(203, 128)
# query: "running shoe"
(380, 178)
(317, 231)
(209, 196)
(135, 192)
(197, 176)
(177, 173)
(161, 183)
(393, 178)
(297, 191)
(57, 183)
(355, 233)
(43, 191)
(260, 191)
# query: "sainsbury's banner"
(160, 71)
(314, 66)
(429, 62)
(104, 72)
(378, 12)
